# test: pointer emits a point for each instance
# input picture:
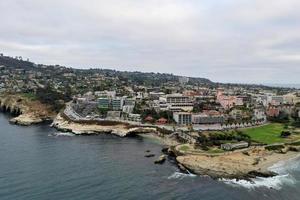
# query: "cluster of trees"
(283, 117)
(217, 138)
(49, 95)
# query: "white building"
(182, 118)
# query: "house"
(161, 121)
(149, 119)
(272, 111)
(259, 114)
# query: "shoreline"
(232, 165)
(27, 111)
(257, 162)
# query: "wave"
(179, 175)
(284, 169)
(67, 134)
(275, 182)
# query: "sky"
(241, 41)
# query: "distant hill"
(15, 62)
(139, 78)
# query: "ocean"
(38, 162)
(297, 86)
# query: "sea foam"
(284, 177)
(179, 175)
(67, 134)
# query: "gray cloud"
(231, 41)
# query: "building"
(114, 115)
(259, 114)
(182, 118)
(272, 112)
(203, 118)
(134, 117)
(183, 80)
(105, 93)
(178, 102)
(128, 108)
(129, 102)
(161, 121)
(233, 146)
(228, 102)
(156, 95)
(177, 99)
(277, 100)
(104, 103)
(117, 103)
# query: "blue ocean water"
(38, 162)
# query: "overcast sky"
(247, 41)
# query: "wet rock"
(284, 150)
(181, 167)
(246, 153)
(160, 160)
(149, 155)
(262, 174)
(294, 148)
(165, 150)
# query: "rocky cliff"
(119, 129)
(27, 111)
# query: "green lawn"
(266, 134)
(184, 148)
(215, 151)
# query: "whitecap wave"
(67, 134)
(275, 182)
(284, 170)
(179, 175)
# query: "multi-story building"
(203, 118)
(104, 103)
(178, 102)
(128, 108)
(259, 114)
(182, 118)
(177, 99)
(117, 103)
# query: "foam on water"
(179, 175)
(67, 134)
(275, 182)
(285, 177)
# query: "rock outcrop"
(27, 111)
(234, 165)
(77, 128)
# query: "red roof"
(149, 118)
(162, 121)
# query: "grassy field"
(266, 134)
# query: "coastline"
(120, 129)
(27, 111)
(257, 162)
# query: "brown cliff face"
(28, 111)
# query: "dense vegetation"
(50, 96)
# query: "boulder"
(160, 160)
(149, 155)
